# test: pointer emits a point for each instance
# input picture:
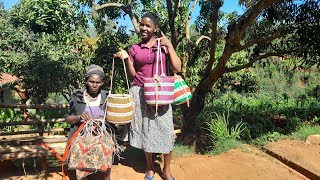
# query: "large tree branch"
(98, 7)
(189, 18)
(176, 7)
(255, 59)
(126, 9)
(201, 38)
(214, 29)
(237, 29)
(233, 38)
(171, 16)
(262, 40)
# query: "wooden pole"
(33, 122)
(35, 106)
(44, 165)
(25, 154)
(31, 148)
(35, 131)
(31, 141)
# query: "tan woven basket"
(120, 107)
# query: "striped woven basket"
(120, 107)
(182, 93)
(158, 90)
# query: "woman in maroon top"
(147, 132)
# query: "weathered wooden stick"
(33, 122)
(30, 148)
(35, 106)
(35, 131)
(18, 142)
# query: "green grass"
(223, 146)
(267, 138)
(223, 136)
(305, 130)
(301, 133)
(180, 150)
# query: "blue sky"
(228, 6)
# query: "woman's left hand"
(121, 54)
(164, 41)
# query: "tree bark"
(190, 115)
(234, 36)
(23, 94)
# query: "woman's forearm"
(175, 60)
(130, 67)
(73, 119)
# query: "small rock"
(313, 140)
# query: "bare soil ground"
(246, 162)
(299, 153)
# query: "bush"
(222, 135)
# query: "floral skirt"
(147, 132)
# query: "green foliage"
(51, 69)
(280, 106)
(50, 16)
(180, 150)
(45, 59)
(244, 80)
(223, 146)
(269, 137)
(219, 127)
(304, 131)
(111, 41)
(221, 134)
(8, 115)
(315, 119)
(301, 133)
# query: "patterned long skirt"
(147, 132)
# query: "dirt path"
(303, 157)
(246, 162)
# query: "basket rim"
(120, 95)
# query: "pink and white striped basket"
(159, 90)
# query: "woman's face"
(147, 28)
(94, 83)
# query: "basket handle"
(159, 55)
(125, 72)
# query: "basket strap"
(159, 56)
(156, 76)
(157, 80)
(66, 151)
(112, 73)
(125, 72)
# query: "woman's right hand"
(122, 54)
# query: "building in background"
(6, 92)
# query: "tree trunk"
(190, 114)
(23, 93)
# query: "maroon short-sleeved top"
(144, 61)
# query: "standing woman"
(147, 132)
(89, 100)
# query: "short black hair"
(153, 17)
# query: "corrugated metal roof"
(6, 78)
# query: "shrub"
(222, 135)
